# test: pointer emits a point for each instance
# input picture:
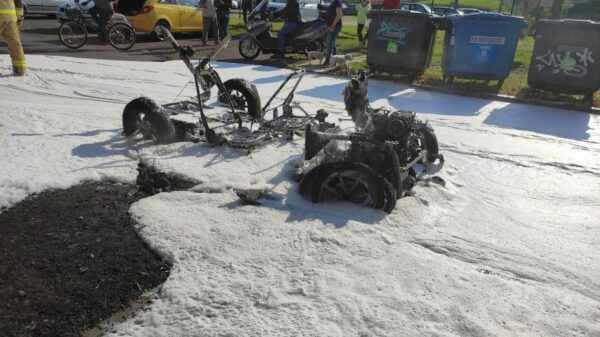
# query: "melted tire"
(431, 143)
(250, 95)
(380, 193)
(142, 110)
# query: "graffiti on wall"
(572, 63)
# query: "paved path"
(40, 36)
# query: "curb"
(510, 99)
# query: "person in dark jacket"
(247, 7)
(223, 7)
(291, 13)
(102, 12)
(334, 26)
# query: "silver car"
(47, 7)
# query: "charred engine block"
(391, 131)
(395, 126)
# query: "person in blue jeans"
(223, 7)
(291, 12)
(333, 19)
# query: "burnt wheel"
(143, 115)
(244, 97)
(429, 142)
(350, 181)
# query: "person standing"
(362, 8)
(11, 19)
(333, 19)
(223, 7)
(291, 12)
(209, 20)
(102, 12)
(246, 9)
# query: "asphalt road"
(39, 35)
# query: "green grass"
(236, 26)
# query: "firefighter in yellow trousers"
(11, 18)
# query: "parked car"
(47, 7)
(324, 5)
(235, 4)
(177, 15)
(417, 7)
(349, 10)
(441, 10)
(470, 10)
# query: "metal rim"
(249, 48)
(349, 185)
(121, 36)
(239, 100)
(163, 23)
(72, 34)
(145, 128)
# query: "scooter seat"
(303, 27)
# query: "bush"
(589, 10)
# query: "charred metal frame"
(205, 77)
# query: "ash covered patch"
(71, 258)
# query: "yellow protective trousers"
(9, 33)
(10, 10)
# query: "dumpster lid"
(487, 16)
(397, 12)
(569, 22)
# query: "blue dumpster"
(480, 46)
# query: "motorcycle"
(309, 36)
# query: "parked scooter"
(309, 36)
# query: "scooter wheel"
(143, 115)
(249, 49)
(244, 97)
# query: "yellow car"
(177, 15)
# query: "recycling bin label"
(496, 40)
(484, 48)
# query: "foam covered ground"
(508, 247)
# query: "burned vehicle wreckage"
(168, 123)
(373, 166)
